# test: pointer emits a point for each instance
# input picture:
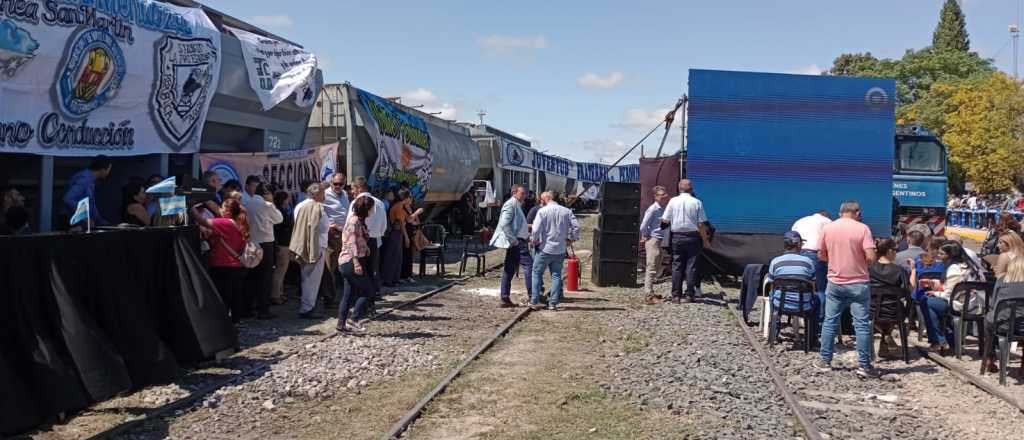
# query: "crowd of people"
(346, 243)
(979, 202)
(842, 263)
(920, 267)
(536, 239)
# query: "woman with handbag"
(228, 239)
(353, 262)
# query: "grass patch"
(635, 342)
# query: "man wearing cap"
(809, 228)
(793, 265)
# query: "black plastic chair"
(438, 245)
(804, 309)
(473, 248)
(963, 292)
(889, 305)
(1005, 331)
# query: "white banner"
(278, 69)
(121, 78)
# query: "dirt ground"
(543, 381)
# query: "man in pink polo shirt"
(846, 244)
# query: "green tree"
(984, 131)
(916, 72)
(951, 32)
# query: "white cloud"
(592, 80)
(812, 69)
(509, 44)
(272, 21)
(642, 119)
(430, 103)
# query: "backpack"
(251, 255)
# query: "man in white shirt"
(810, 228)
(263, 215)
(685, 216)
(376, 226)
(309, 243)
(336, 206)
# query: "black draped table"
(86, 317)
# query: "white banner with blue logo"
(121, 78)
(515, 155)
(278, 69)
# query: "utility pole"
(1015, 35)
(481, 113)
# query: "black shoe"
(265, 316)
(691, 299)
(507, 304)
(676, 300)
(311, 315)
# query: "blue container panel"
(767, 149)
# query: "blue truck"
(765, 149)
(920, 179)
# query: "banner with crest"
(121, 78)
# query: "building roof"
(220, 19)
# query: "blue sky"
(586, 79)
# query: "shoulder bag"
(251, 255)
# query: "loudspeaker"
(615, 258)
(619, 223)
(620, 191)
(620, 207)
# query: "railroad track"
(799, 407)
(189, 400)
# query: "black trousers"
(373, 266)
(230, 283)
(686, 247)
(259, 282)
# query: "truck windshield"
(920, 157)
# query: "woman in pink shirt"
(228, 235)
(352, 264)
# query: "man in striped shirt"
(792, 265)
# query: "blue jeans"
(526, 266)
(509, 270)
(820, 282)
(837, 298)
(934, 309)
(542, 261)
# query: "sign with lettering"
(288, 170)
(919, 193)
(87, 77)
(278, 69)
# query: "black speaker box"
(616, 246)
(620, 191)
(619, 223)
(615, 259)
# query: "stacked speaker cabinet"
(616, 240)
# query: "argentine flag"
(81, 212)
(165, 187)
(172, 205)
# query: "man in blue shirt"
(554, 228)
(651, 236)
(792, 265)
(83, 184)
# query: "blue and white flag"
(172, 205)
(81, 212)
(166, 187)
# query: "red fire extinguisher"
(572, 272)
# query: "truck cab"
(920, 179)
